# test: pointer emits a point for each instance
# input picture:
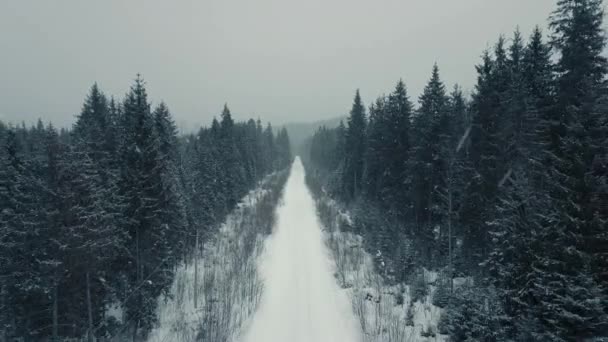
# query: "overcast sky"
(281, 60)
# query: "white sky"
(282, 60)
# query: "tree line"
(509, 186)
(97, 217)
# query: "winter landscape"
(466, 199)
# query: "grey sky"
(282, 60)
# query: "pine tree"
(485, 151)
(339, 152)
(231, 159)
(524, 209)
(580, 40)
(539, 85)
(537, 70)
(354, 150)
(15, 201)
(268, 147)
(94, 233)
(455, 173)
(93, 151)
(171, 207)
(139, 187)
(397, 150)
(427, 168)
(566, 283)
(374, 153)
(94, 129)
(283, 147)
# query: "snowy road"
(301, 300)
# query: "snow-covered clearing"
(301, 301)
(382, 309)
(223, 280)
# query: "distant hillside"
(301, 132)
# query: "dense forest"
(507, 187)
(97, 217)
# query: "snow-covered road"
(301, 301)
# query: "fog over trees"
(458, 215)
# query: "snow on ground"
(227, 287)
(382, 310)
(301, 301)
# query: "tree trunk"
(4, 321)
(90, 333)
(139, 278)
(55, 315)
(196, 270)
(137, 256)
(135, 331)
(449, 189)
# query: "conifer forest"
(464, 213)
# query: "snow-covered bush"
(399, 300)
(428, 332)
(409, 316)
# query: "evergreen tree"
(427, 167)
(396, 151)
(95, 131)
(94, 235)
(574, 237)
(171, 207)
(283, 148)
(485, 153)
(354, 150)
(268, 146)
(231, 159)
(139, 186)
(15, 201)
(374, 153)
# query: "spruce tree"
(171, 206)
(94, 129)
(427, 167)
(574, 238)
(397, 151)
(231, 159)
(374, 153)
(524, 209)
(283, 148)
(138, 185)
(485, 153)
(354, 150)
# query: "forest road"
(301, 301)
